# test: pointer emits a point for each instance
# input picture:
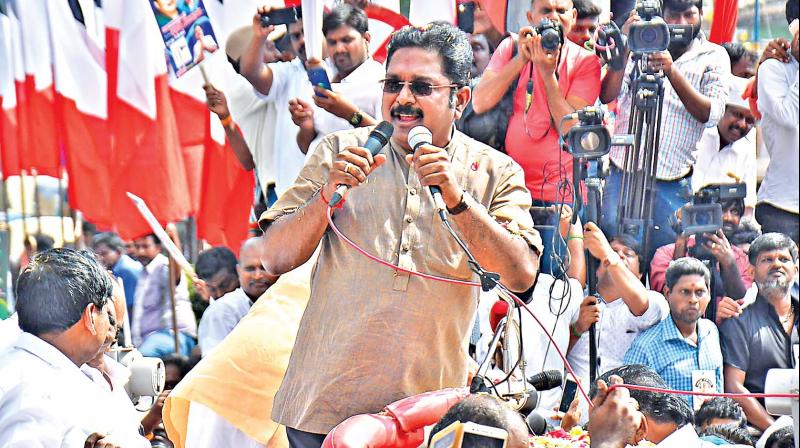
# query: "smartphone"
(282, 16)
(466, 16)
(319, 78)
(570, 388)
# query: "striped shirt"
(706, 66)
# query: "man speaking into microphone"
(371, 334)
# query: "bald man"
(224, 313)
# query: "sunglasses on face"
(418, 88)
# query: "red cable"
(459, 282)
(555, 345)
(703, 394)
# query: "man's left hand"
(432, 165)
(720, 248)
(546, 61)
(334, 103)
(661, 61)
(216, 101)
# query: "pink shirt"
(532, 139)
(664, 254)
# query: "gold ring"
(347, 167)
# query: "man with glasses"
(549, 86)
(372, 334)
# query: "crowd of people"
(283, 340)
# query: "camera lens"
(649, 36)
(550, 39)
(590, 141)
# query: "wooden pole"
(37, 205)
(22, 175)
(61, 214)
(172, 282)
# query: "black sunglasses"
(418, 88)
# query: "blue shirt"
(129, 271)
(664, 349)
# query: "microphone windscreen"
(497, 313)
(537, 423)
(549, 379)
(419, 135)
(383, 131)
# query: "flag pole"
(23, 212)
(171, 289)
(61, 213)
(37, 206)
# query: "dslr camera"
(652, 34)
(552, 34)
(283, 16)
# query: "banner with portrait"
(186, 31)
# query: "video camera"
(459, 434)
(704, 214)
(589, 139)
(652, 34)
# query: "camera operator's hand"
(351, 168)
(589, 314)
(728, 308)
(565, 225)
(596, 242)
(615, 418)
(720, 248)
(545, 61)
(661, 61)
(153, 416)
(776, 49)
(525, 44)
(632, 18)
(260, 31)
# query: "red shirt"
(536, 149)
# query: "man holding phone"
(356, 99)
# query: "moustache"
(406, 110)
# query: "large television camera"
(589, 139)
(652, 34)
(704, 213)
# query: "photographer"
(695, 89)
(733, 265)
(549, 86)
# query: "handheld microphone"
(377, 139)
(549, 379)
(418, 136)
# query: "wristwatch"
(355, 120)
(612, 260)
(461, 207)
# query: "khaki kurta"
(371, 335)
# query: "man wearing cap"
(726, 153)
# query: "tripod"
(590, 172)
(641, 159)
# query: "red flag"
(39, 140)
(81, 111)
(726, 14)
(11, 80)
(146, 155)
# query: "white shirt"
(257, 121)
(713, 164)
(361, 87)
(119, 401)
(221, 317)
(615, 331)
(9, 331)
(778, 103)
(538, 350)
(207, 429)
(46, 401)
(289, 81)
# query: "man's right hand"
(351, 168)
(261, 32)
(728, 308)
(589, 314)
(97, 440)
(776, 49)
(302, 114)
